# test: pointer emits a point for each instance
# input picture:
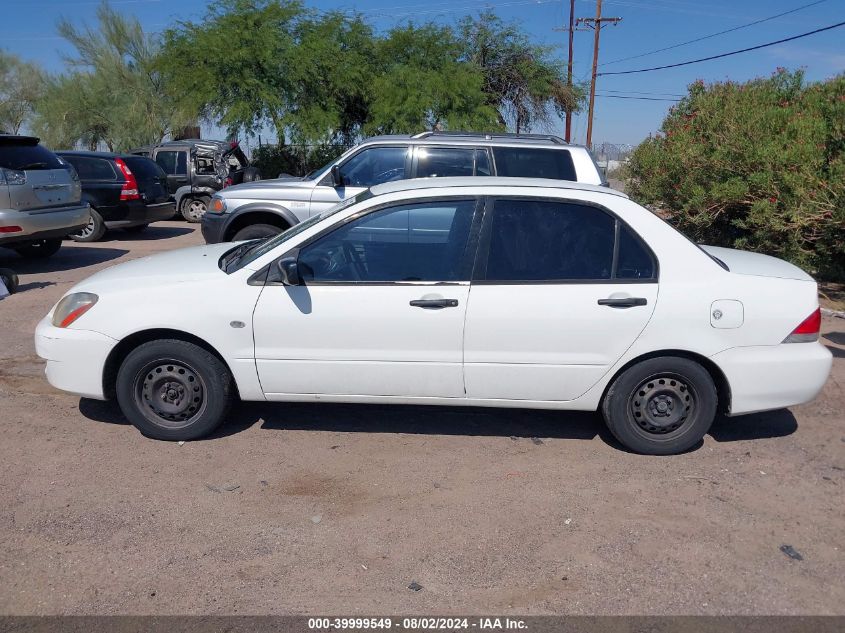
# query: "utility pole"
(569, 69)
(596, 24)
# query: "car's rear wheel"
(661, 406)
(138, 228)
(93, 232)
(9, 279)
(194, 208)
(39, 249)
(174, 390)
(256, 231)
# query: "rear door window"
(92, 168)
(173, 162)
(445, 161)
(27, 157)
(143, 167)
(534, 162)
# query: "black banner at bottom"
(320, 624)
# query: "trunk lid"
(756, 264)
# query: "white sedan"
(451, 291)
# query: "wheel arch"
(723, 387)
(243, 217)
(129, 343)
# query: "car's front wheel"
(661, 406)
(256, 231)
(174, 390)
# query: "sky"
(28, 30)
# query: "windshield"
(251, 251)
(312, 175)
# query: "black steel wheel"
(661, 406)
(174, 390)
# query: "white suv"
(261, 209)
(489, 292)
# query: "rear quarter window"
(92, 168)
(26, 157)
(143, 167)
(534, 162)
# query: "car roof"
(90, 154)
(17, 139)
(474, 139)
(416, 184)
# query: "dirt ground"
(327, 509)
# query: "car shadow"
(152, 232)
(837, 352)
(434, 420)
(755, 426)
(34, 285)
(835, 337)
(66, 259)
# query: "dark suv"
(124, 191)
(196, 169)
(40, 197)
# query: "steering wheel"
(389, 175)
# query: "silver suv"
(267, 207)
(40, 198)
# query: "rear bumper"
(213, 227)
(136, 213)
(42, 224)
(774, 376)
(75, 358)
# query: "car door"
(367, 168)
(561, 291)
(381, 308)
(174, 163)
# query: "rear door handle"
(435, 304)
(625, 302)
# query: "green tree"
(21, 86)
(423, 84)
(757, 165)
(234, 67)
(113, 93)
(521, 80)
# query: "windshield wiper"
(239, 252)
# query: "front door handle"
(435, 304)
(625, 302)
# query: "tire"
(156, 380)
(138, 228)
(39, 249)
(93, 232)
(194, 208)
(10, 280)
(251, 174)
(255, 231)
(661, 406)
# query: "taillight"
(10, 229)
(228, 182)
(129, 191)
(808, 330)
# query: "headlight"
(72, 307)
(217, 205)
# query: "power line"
(652, 94)
(639, 98)
(707, 37)
(742, 50)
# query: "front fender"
(266, 207)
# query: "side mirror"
(337, 177)
(288, 269)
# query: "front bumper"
(762, 378)
(75, 358)
(213, 227)
(44, 223)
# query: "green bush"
(758, 165)
(294, 160)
